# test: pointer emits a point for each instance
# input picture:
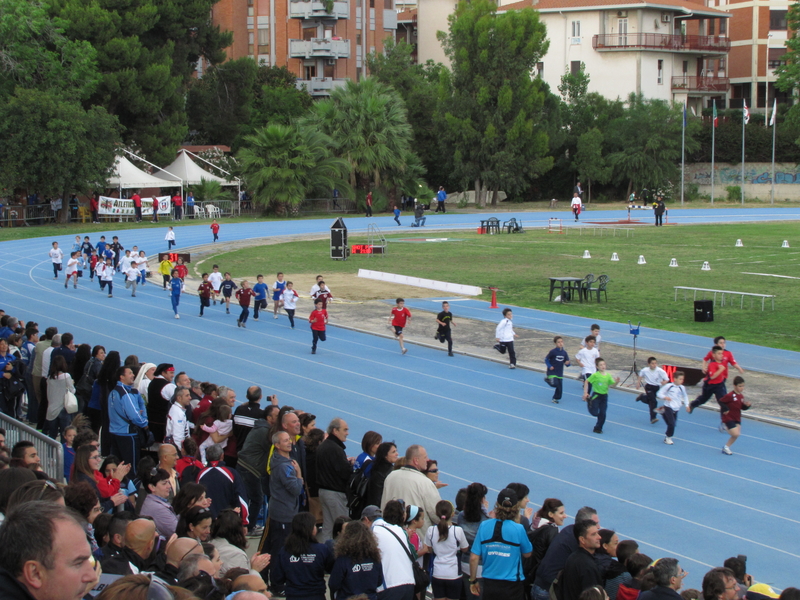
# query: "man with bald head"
(137, 552)
(410, 483)
(176, 552)
(250, 583)
(193, 565)
(167, 457)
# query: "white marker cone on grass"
(739, 243)
(642, 261)
(705, 267)
(586, 254)
(673, 262)
(785, 244)
(614, 257)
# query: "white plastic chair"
(199, 212)
(213, 211)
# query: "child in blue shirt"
(261, 290)
(176, 287)
(277, 291)
(555, 361)
(397, 215)
(227, 287)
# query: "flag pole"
(744, 122)
(683, 151)
(774, 123)
(713, 140)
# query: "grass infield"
(521, 264)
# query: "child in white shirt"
(596, 333)
(131, 277)
(221, 426)
(215, 277)
(289, 299)
(673, 395)
(653, 378)
(586, 357)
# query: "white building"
(665, 49)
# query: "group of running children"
(658, 389)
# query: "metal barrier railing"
(50, 451)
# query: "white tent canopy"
(128, 176)
(184, 168)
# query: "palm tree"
(283, 164)
(210, 191)
(368, 124)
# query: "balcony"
(701, 85)
(316, 10)
(319, 48)
(706, 44)
(320, 86)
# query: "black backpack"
(357, 490)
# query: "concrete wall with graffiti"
(757, 177)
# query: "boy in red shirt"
(182, 270)
(318, 320)
(732, 418)
(243, 295)
(215, 229)
(205, 290)
(714, 383)
(727, 359)
(398, 320)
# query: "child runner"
(673, 395)
(165, 268)
(142, 263)
(170, 238)
(446, 540)
(653, 377)
(117, 249)
(586, 357)
(93, 260)
(576, 205)
(124, 263)
(398, 320)
(215, 229)
(504, 334)
(289, 300)
(315, 287)
(727, 359)
(105, 274)
(595, 393)
(72, 269)
(56, 256)
(131, 276)
(555, 361)
(101, 246)
(205, 291)
(243, 295)
(322, 293)
(732, 418)
(277, 290)
(221, 426)
(86, 248)
(396, 212)
(261, 290)
(215, 277)
(227, 287)
(714, 382)
(445, 321)
(596, 333)
(318, 320)
(176, 287)
(182, 270)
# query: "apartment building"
(324, 42)
(674, 50)
(758, 36)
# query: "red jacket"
(243, 295)
(318, 319)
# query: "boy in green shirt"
(597, 384)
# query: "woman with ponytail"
(445, 540)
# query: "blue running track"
(481, 421)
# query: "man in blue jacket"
(126, 412)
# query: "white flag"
(774, 112)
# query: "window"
(250, 38)
(711, 24)
(310, 71)
(250, 11)
(575, 67)
(576, 29)
(685, 67)
(263, 41)
(723, 26)
(721, 64)
(358, 39)
(372, 3)
(777, 20)
(540, 70)
(660, 72)
(387, 4)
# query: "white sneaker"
(668, 441)
(275, 316)
(726, 450)
(177, 316)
